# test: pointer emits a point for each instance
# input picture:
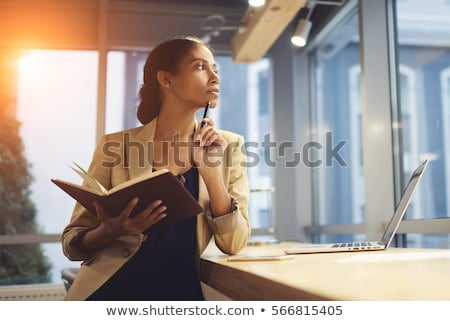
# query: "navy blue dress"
(164, 268)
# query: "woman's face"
(196, 81)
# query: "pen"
(205, 114)
(203, 123)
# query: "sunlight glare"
(27, 63)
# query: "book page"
(93, 183)
(90, 180)
(65, 185)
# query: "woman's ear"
(164, 78)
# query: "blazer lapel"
(139, 148)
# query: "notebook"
(389, 233)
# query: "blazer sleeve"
(82, 220)
(232, 231)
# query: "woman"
(120, 261)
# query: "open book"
(159, 185)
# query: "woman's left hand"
(209, 146)
(209, 155)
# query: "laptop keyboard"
(353, 244)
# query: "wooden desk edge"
(244, 286)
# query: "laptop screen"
(403, 204)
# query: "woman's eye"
(202, 66)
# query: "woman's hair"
(167, 56)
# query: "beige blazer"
(127, 154)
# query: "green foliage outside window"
(22, 263)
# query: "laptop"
(389, 233)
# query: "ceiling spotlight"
(304, 25)
(256, 3)
(300, 36)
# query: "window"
(406, 115)
(337, 177)
(424, 68)
(56, 105)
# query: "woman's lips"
(214, 91)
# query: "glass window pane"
(424, 78)
(336, 150)
(424, 110)
(56, 104)
(245, 108)
(124, 79)
(428, 240)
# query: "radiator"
(34, 292)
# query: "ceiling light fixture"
(300, 36)
(256, 3)
(304, 25)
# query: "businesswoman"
(119, 260)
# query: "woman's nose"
(215, 78)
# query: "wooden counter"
(395, 274)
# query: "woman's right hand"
(123, 224)
(112, 227)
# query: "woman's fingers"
(152, 220)
(125, 224)
(149, 216)
(129, 208)
(208, 136)
(103, 215)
